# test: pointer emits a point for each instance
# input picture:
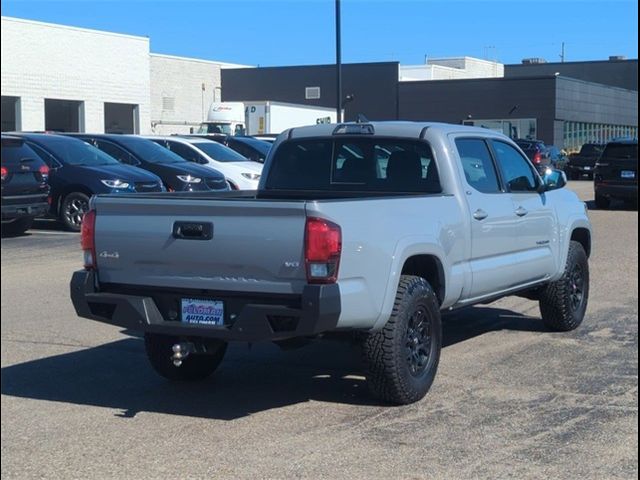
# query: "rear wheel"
(563, 303)
(194, 367)
(73, 208)
(19, 226)
(602, 202)
(402, 358)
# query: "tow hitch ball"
(181, 351)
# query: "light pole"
(338, 66)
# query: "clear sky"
(270, 32)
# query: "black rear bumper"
(11, 212)
(626, 192)
(317, 310)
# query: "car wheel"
(402, 358)
(19, 226)
(602, 202)
(73, 208)
(563, 303)
(194, 367)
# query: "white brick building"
(56, 77)
(182, 90)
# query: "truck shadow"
(117, 375)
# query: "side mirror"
(554, 179)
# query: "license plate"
(202, 312)
(627, 174)
(587, 168)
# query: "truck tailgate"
(254, 246)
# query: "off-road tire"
(602, 202)
(559, 305)
(18, 227)
(194, 367)
(388, 354)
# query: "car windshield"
(621, 151)
(260, 145)
(219, 152)
(149, 151)
(215, 128)
(71, 151)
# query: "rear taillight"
(88, 240)
(537, 158)
(5, 172)
(44, 172)
(322, 248)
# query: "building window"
(511, 127)
(63, 115)
(120, 118)
(10, 114)
(576, 134)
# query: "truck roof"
(391, 129)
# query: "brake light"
(44, 172)
(537, 158)
(322, 249)
(5, 172)
(88, 240)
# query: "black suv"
(24, 185)
(584, 162)
(616, 173)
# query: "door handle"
(521, 211)
(480, 214)
(193, 230)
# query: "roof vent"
(533, 61)
(613, 58)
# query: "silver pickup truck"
(368, 227)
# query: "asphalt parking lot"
(511, 400)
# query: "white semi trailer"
(265, 117)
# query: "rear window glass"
(354, 165)
(621, 151)
(590, 149)
(15, 151)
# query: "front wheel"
(194, 367)
(563, 303)
(73, 208)
(402, 358)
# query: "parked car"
(537, 152)
(241, 173)
(616, 173)
(24, 185)
(249, 147)
(331, 241)
(176, 173)
(78, 170)
(584, 162)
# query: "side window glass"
(517, 173)
(478, 167)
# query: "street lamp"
(338, 66)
